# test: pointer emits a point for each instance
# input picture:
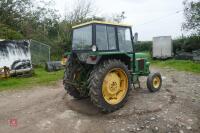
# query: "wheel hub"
(156, 82)
(113, 82)
(113, 87)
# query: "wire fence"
(40, 52)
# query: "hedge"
(186, 44)
(143, 46)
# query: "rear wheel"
(109, 85)
(73, 74)
(154, 82)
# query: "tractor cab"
(100, 36)
(103, 65)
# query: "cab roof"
(100, 22)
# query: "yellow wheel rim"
(156, 82)
(115, 86)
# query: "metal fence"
(40, 52)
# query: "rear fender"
(122, 57)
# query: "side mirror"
(135, 38)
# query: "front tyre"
(109, 85)
(154, 82)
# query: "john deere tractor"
(103, 65)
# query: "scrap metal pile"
(194, 55)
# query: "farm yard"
(175, 108)
(99, 66)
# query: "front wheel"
(109, 85)
(154, 82)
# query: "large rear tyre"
(154, 82)
(72, 73)
(109, 85)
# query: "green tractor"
(103, 65)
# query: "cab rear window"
(105, 37)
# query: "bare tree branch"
(82, 10)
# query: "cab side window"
(124, 38)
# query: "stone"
(147, 127)
(169, 126)
(188, 127)
(122, 129)
(179, 124)
(181, 131)
(131, 130)
(141, 127)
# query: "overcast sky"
(148, 17)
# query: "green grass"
(41, 77)
(181, 65)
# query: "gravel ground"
(174, 109)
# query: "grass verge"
(181, 65)
(41, 77)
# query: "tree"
(81, 11)
(192, 16)
(8, 33)
(12, 12)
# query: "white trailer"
(162, 47)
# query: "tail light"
(93, 58)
